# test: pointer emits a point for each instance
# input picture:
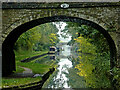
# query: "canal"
(76, 69)
(61, 78)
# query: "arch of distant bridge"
(8, 56)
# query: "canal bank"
(79, 65)
(35, 85)
(19, 77)
(65, 75)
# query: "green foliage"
(10, 82)
(35, 67)
(116, 78)
(93, 62)
(96, 38)
(19, 69)
(75, 81)
(33, 42)
(93, 66)
(38, 38)
(27, 54)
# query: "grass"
(39, 58)
(10, 82)
(18, 69)
(35, 67)
(27, 54)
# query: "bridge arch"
(49, 13)
(8, 56)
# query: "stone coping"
(55, 5)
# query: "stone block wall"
(105, 15)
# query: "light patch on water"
(60, 80)
(65, 62)
(66, 50)
(61, 27)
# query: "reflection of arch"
(8, 58)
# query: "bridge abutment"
(118, 48)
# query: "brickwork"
(103, 14)
(107, 17)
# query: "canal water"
(66, 74)
(61, 78)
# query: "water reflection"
(64, 63)
(66, 50)
(77, 64)
(60, 80)
(52, 56)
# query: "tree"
(38, 38)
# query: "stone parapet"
(56, 5)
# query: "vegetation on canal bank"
(11, 82)
(35, 67)
(49, 81)
(93, 62)
(39, 38)
(19, 69)
(23, 54)
(33, 42)
(75, 80)
(92, 66)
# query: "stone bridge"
(20, 17)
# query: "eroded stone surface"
(105, 15)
